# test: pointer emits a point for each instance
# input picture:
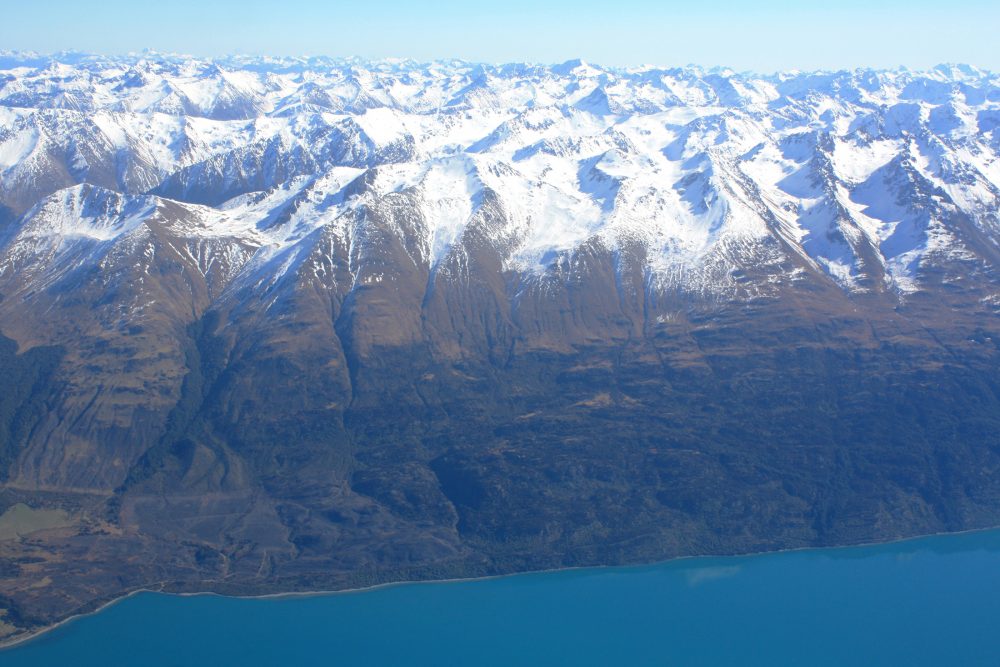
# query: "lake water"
(931, 601)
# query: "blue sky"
(764, 36)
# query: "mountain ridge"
(281, 324)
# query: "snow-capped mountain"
(278, 323)
(865, 175)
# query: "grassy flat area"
(22, 520)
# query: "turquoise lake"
(930, 601)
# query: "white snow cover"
(702, 167)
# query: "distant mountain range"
(278, 324)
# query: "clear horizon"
(765, 37)
(496, 63)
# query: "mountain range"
(288, 324)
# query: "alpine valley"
(278, 324)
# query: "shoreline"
(39, 633)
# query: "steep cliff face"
(315, 324)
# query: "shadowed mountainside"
(328, 325)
